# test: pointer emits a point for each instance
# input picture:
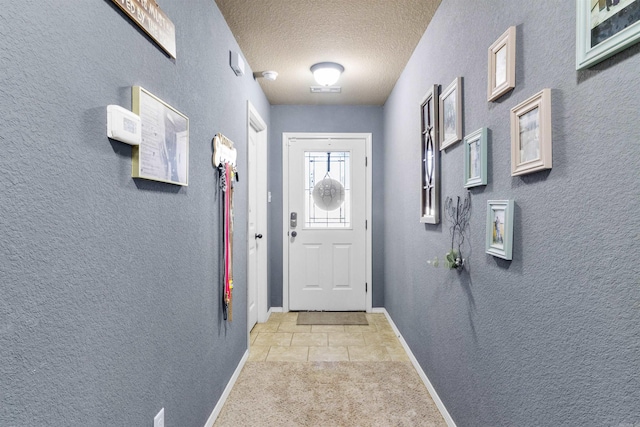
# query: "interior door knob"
(294, 233)
(258, 236)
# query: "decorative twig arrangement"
(457, 214)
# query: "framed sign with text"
(153, 21)
(163, 154)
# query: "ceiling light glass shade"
(327, 73)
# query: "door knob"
(258, 236)
(294, 233)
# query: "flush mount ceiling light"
(267, 75)
(326, 73)
(270, 75)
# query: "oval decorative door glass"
(327, 190)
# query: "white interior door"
(252, 233)
(327, 238)
(257, 218)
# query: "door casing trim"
(286, 138)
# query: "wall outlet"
(158, 420)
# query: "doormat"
(331, 318)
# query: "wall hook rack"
(223, 151)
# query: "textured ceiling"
(372, 39)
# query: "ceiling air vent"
(326, 89)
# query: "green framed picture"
(475, 158)
(604, 28)
(499, 242)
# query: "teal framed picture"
(604, 28)
(499, 242)
(475, 158)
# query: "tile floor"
(281, 340)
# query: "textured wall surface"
(109, 295)
(300, 118)
(552, 337)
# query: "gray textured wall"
(314, 118)
(552, 337)
(109, 295)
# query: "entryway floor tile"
(274, 339)
(309, 339)
(369, 353)
(328, 354)
(345, 338)
(288, 354)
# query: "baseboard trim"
(275, 310)
(421, 373)
(227, 390)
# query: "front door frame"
(288, 137)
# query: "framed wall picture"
(163, 154)
(475, 158)
(604, 28)
(430, 155)
(451, 114)
(499, 241)
(502, 65)
(531, 134)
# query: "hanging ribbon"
(224, 158)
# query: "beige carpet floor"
(329, 394)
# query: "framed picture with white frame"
(499, 241)
(502, 65)
(531, 134)
(475, 158)
(451, 114)
(604, 28)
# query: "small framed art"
(475, 158)
(430, 194)
(499, 241)
(163, 154)
(531, 134)
(502, 65)
(604, 28)
(451, 114)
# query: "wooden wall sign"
(153, 21)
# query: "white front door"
(326, 223)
